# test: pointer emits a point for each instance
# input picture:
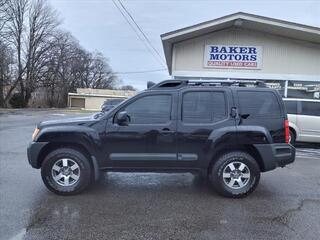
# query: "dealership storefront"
(248, 47)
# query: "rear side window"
(291, 107)
(203, 107)
(310, 108)
(259, 104)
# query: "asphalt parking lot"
(286, 204)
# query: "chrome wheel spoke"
(245, 175)
(66, 180)
(56, 168)
(65, 162)
(231, 166)
(226, 175)
(241, 167)
(240, 182)
(74, 167)
(74, 176)
(58, 177)
(231, 183)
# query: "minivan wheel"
(292, 138)
(235, 174)
(66, 171)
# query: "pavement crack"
(285, 217)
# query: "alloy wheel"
(236, 175)
(65, 172)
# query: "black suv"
(229, 131)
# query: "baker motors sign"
(232, 56)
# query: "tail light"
(286, 130)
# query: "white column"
(286, 88)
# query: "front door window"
(155, 109)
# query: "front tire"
(66, 171)
(235, 174)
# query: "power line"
(138, 35)
(144, 35)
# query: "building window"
(303, 89)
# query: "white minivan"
(304, 119)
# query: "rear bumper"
(33, 152)
(276, 155)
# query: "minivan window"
(291, 106)
(259, 104)
(203, 107)
(155, 109)
(310, 108)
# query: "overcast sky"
(99, 25)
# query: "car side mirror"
(123, 118)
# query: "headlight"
(35, 133)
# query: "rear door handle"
(166, 131)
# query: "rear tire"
(235, 174)
(292, 139)
(66, 171)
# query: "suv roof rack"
(239, 83)
(183, 83)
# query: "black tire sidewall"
(222, 162)
(79, 158)
(293, 138)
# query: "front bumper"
(33, 152)
(276, 155)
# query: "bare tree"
(4, 17)
(43, 56)
(43, 21)
(128, 87)
(102, 75)
(58, 62)
(4, 51)
(94, 71)
(16, 11)
(68, 66)
(6, 62)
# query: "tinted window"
(219, 106)
(310, 108)
(150, 110)
(203, 107)
(114, 101)
(291, 107)
(259, 104)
